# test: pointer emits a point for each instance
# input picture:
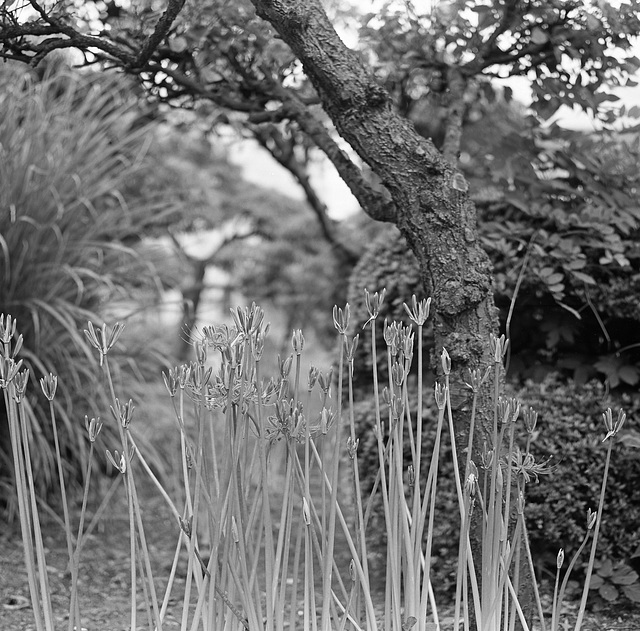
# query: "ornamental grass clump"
(70, 145)
(269, 512)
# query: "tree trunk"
(434, 212)
(191, 296)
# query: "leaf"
(519, 202)
(593, 23)
(585, 278)
(178, 44)
(554, 279)
(596, 581)
(630, 438)
(624, 575)
(538, 36)
(576, 264)
(629, 374)
(608, 592)
(602, 97)
(632, 592)
(606, 569)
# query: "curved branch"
(159, 33)
(503, 25)
(377, 204)
(283, 153)
(360, 108)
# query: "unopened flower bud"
(352, 447)
(93, 427)
(373, 304)
(305, 512)
(341, 318)
(20, 384)
(397, 374)
(312, 378)
(446, 361)
(297, 341)
(441, 395)
(351, 347)
(171, 381)
(591, 518)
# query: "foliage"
(570, 432)
(387, 262)
(68, 145)
(561, 230)
(567, 232)
(614, 582)
(562, 50)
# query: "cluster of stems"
(270, 513)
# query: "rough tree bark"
(433, 210)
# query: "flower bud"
(446, 361)
(297, 341)
(373, 304)
(341, 319)
(419, 311)
(20, 384)
(441, 395)
(591, 519)
(93, 427)
(397, 374)
(306, 515)
(312, 378)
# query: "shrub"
(570, 431)
(68, 146)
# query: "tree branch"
(505, 23)
(271, 139)
(360, 108)
(455, 115)
(52, 28)
(377, 204)
(159, 33)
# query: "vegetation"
(228, 62)
(566, 436)
(255, 576)
(68, 146)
